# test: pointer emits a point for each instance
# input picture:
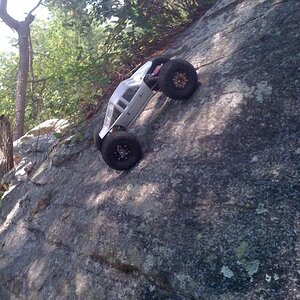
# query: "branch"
(35, 7)
(7, 19)
(40, 80)
(30, 18)
(31, 64)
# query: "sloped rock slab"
(212, 210)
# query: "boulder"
(211, 211)
(49, 127)
(31, 148)
(40, 138)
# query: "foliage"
(86, 47)
(134, 28)
(8, 74)
(66, 75)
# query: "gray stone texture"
(211, 211)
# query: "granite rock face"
(32, 148)
(39, 139)
(212, 210)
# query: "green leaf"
(57, 135)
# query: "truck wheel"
(178, 79)
(121, 150)
(97, 140)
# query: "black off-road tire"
(178, 79)
(121, 150)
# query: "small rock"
(248, 205)
(129, 187)
(276, 277)
(28, 167)
(252, 267)
(254, 158)
(22, 174)
(261, 209)
(227, 272)
(151, 288)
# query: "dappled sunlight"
(104, 176)
(95, 200)
(48, 248)
(216, 38)
(145, 116)
(81, 283)
(100, 174)
(139, 192)
(209, 210)
(214, 116)
(264, 169)
(222, 40)
(139, 199)
(36, 273)
(16, 239)
(154, 109)
(53, 232)
(10, 217)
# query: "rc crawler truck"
(176, 78)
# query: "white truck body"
(128, 101)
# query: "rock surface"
(32, 148)
(39, 139)
(212, 210)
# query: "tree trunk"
(23, 30)
(20, 103)
(6, 144)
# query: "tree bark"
(23, 30)
(6, 144)
(22, 77)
